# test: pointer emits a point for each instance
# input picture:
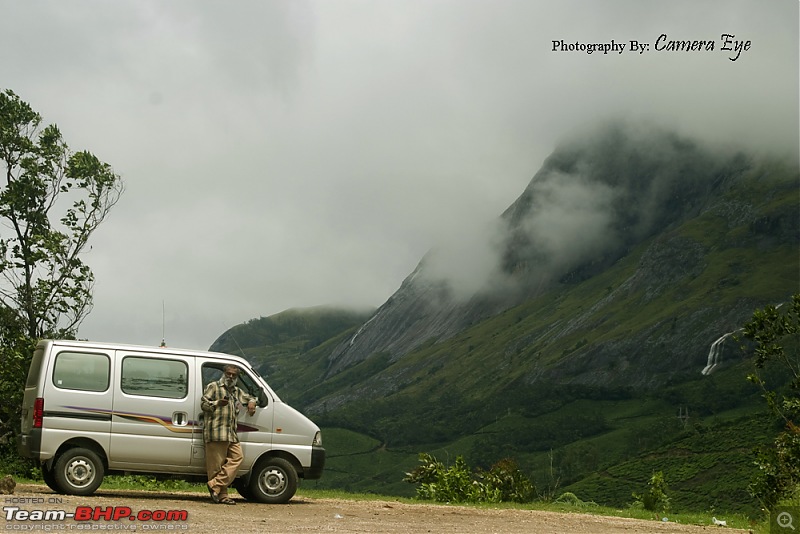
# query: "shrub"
(655, 498)
(509, 481)
(503, 482)
(440, 483)
(572, 500)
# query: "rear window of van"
(35, 368)
(83, 371)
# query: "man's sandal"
(227, 500)
(214, 496)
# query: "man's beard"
(230, 383)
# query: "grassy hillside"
(601, 444)
(706, 459)
(601, 450)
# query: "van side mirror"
(262, 398)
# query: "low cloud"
(597, 195)
(572, 220)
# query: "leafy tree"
(51, 201)
(15, 355)
(776, 334)
(44, 282)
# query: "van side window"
(153, 377)
(211, 373)
(83, 371)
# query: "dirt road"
(192, 512)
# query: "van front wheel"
(274, 481)
(243, 489)
(78, 472)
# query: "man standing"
(221, 403)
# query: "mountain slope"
(285, 336)
(592, 203)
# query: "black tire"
(243, 489)
(78, 472)
(273, 481)
(49, 478)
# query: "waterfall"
(715, 354)
(363, 326)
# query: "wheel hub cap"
(80, 472)
(273, 481)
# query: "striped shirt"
(220, 421)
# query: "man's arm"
(248, 400)
(208, 402)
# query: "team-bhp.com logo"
(87, 518)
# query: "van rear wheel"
(274, 481)
(49, 478)
(78, 471)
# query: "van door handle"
(180, 418)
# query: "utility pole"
(683, 415)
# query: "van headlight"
(317, 439)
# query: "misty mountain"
(593, 202)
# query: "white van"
(95, 408)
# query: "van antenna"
(163, 328)
(230, 331)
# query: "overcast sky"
(282, 154)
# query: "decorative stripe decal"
(78, 415)
(144, 418)
(166, 422)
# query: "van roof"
(138, 348)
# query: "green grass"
(150, 483)
(135, 482)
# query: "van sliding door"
(153, 421)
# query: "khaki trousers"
(222, 462)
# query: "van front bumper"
(317, 464)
